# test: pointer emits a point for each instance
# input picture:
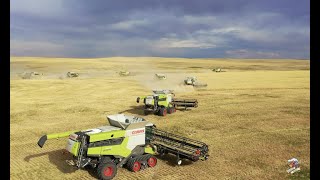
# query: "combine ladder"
(82, 162)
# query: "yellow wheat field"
(254, 117)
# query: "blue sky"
(167, 28)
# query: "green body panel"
(75, 148)
(107, 135)
(60, 135)
(111, 150)
(94, 151)
(149, 150)
(119, 150)
(162, 101)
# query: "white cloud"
(183, 43)
(128, 25)
(155, 31)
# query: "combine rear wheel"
(107, 170)
(171, 110)
(163, 112)
(152, 161)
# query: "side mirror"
(138, 99)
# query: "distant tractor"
(128, 141)
(124, 73)
(161, 76)
(72, 74)
(163, 102)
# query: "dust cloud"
(147, 78)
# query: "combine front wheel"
(107, 170)
(136, 166)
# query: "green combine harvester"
(163, 102)
(128, 141)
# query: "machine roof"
(127, 122)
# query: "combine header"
(182, 147)
(130, 142)
(186, 103)
(163, 102)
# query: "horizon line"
(230, 58)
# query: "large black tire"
(163, 112)
(152, 161)
(171, 110)
(145, 112)
(134, 165)
(106, 170)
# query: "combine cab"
(163, 102)
(128, 141)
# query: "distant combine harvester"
(72, 74)
(218, 70)
(124, 73)
(161, 76)
(31, 75)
